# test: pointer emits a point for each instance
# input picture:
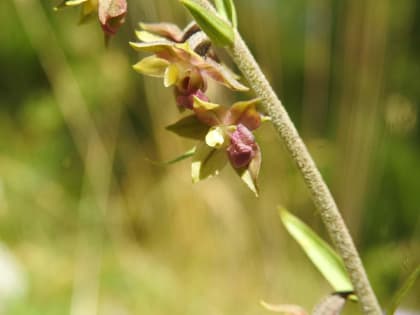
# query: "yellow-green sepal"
(207, 162)
(189, 127)
(152, 66)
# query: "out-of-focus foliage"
(99, 229)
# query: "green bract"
(227, 9)
(218, 30)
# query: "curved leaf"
(319, 252)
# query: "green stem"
(320, 193)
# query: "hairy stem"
(320, 193)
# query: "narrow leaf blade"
(218, 30)
(177, 159)
(402, 292)
(318, 251)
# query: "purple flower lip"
(242, 148)
(186, 100)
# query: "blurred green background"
(89, 225)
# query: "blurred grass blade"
(288, 309)
(180, 158)
(319, 252)
(402, 292)
(228, 10)
(218, 30)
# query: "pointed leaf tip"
(249, 180)
(217, 29)
(174, 160)
(227, 9)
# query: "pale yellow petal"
(148, 37)
(171, 75)
(215, 138)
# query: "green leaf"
(180, 158)
(402, 292)
(207, 162)
(218, 30)
(189, 127)
(319, 252)
(227, 9)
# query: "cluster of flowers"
(185, 60)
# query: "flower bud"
(242, 148)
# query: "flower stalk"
(319, 191)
